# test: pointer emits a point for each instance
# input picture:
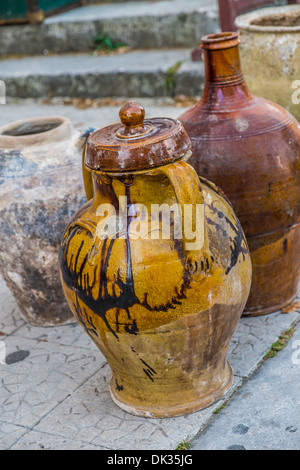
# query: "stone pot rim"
(57, 134)
(243, 22)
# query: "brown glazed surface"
(143, 144)
(250, 147)
(162, 315)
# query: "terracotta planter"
(250, 147)
(270, 54)
(162, 312)
(40, 188)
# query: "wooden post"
(35, 14)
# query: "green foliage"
(217, 410)
(280, 343)
(184, 445)
(104, 43)
(170, 80)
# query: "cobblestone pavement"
(54, 387)
(54, 381)
(265, 413)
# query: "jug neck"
(224, 86)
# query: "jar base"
(255, 312)
(179, 410)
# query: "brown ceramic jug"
(161, 309)
(250, 147)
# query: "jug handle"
(188, 191)
(87, 175)
(87, 178)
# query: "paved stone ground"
(54, 382)
(265, 413)
(91, 116)
(54, 389)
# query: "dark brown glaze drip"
(103, 303)
(236, 242)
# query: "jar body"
(270, 40)
(40, 189)
(250, 147)
(164, 333)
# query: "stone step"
(144, 73)
(139, 24)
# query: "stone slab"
(141, 24)
(265, 413)
(91, 116)
(146, 73)
(57, 396)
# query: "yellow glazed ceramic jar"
(160, 293)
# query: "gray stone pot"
(270, 54)
(41, 186)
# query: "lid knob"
(132, 114)
(132, 117)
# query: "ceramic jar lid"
(137, 143)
